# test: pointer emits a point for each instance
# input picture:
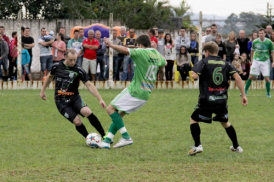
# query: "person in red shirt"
(153, 39)
(89, 61)
(2, 31)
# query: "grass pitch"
(38, 144)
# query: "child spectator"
(25, 62)
(194, 49)
(245, 64)
(237, 62)
(48, 37)
(221, 45)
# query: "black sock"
(232, 135)
(96, 124)
(196, 131)
(82, 129)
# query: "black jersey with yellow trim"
(67, 81)
(214, 76)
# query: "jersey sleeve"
(162, 60)
(53, 68)
(198, 67)
(231, 69)
(82, 75)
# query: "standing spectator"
(153, 39)
(100, 55)
(182, 40)
(230, 45)
(161, 50)
(208, 31)
(62, 30)
(194, 49)
(89, 61)
(268, 31)
(29, 44)
(116, 41)
(77, 44)
(45, 53)
(82, 34)
(169, 44)
(249, 45)
(25, 63)
(156, 31)
(183, 62)
(12, 53)
(222, 49)
(243, 41)
(245, 67)
(59, 48)
(4, 51)
(121, 37)
(130, 43)
(2, 32)
(212, 36)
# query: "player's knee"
(110, 109)
(225, 124)
(85, 111)
(267, 79)
(77, 121)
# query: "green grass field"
(38, 144)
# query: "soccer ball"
(93, 139)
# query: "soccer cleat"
(196, 150)
(268, 95)
(123, 142)
(238, 149)
(103, 145)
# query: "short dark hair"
(43, 29)
(211, 47)
(261, 29)
(76, 31)
(213, 25)
(27, 28)
(151, 30)
(61, 28)
(143, 40)
(2, 27)
(182, 28)
(13, 34)
(22, 29)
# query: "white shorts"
(89, 63)
(126, 103)
(258, 67)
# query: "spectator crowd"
(93, 55)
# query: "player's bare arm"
(251, 56)
(120, 49)
(240, 85)
(45, 85)
(194, 75)
(92, 89)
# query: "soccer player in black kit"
(67, 75)
(213, 73)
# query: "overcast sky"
(226, 7)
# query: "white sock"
(123, 130)
(110, 135)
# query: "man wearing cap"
(161, 50)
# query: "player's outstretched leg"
(85, 111)
(195, 132)
(267, 86)
(248, 83)
(233, 137)
(80, 127)
(109, 138)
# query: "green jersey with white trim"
(261, 49)
(147, 63)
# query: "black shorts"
(205, 114)
(72, 109)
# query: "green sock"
(248, 83)
(267, 85)
(112, 130)
(119, 124)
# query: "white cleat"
(103, 145)
(238, 149)
(123, 142)
(196, 150)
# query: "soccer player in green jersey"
(132, 98)
(260, 60)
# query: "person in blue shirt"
(25, 62)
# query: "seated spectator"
(25, 63)
(183, 62)
(59, 48)
(249, 45)
(230, 45)
(194, 49)
(169, 56)
(245, 67)
(222, 49)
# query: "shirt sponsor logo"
(60, 92)
(216, 89)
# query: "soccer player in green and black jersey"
(213, 73)
(67, 75)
